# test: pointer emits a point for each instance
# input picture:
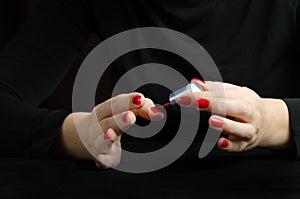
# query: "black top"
(254, 43)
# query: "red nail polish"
(185, 100)
(137, 100)
(105, 135)
(224, 144)
(126, 118)
(155, 110)
(202, 103)
(98, 162)
(217, 123)
(196, 79)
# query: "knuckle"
(250, 135)
(244, 89)
(221, 106)
(244, 110)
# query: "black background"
(247, 175)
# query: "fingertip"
(223, 143)
(99, 163)
(110, 135)
(202, 82)
(107, 161)
(186, 101)
(129, 118)
(195, 79)
(156, 114)
(137, 99)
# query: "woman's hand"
(98, 134)
(251, 121)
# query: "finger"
(216, 89)
(189, 100)
(221, 106)
(117, 142)
(118, 123)
(112, 157)
(232, 108)
(214, 86)
(149, 111)
(100, 165)
(110, 135)
(119, 104)
(232, 128)
(210, 90)
(110, 160)
(201, 82)
(228, 93)
(155, 114)
(231, 146)
(103, 141)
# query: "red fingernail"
(99, 163)
(224, 144)
(137, 100)
(155, 110)
(217, 122)
(185, 100)
(126, 118)
(197, 79)
(202, 103)
(105, 135)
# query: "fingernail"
(126, 118)
(137, 100)
(185, 100)
(202, 103)
(197, 79)
(217, 122)
(224, 144)
(105, 135)
(100, 164)
(155, 110)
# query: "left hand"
(252, 121)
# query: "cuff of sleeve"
(294, 113)
(46, 125)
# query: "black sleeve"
(31, 66)
(294, 113)
(294, 108)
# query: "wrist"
(276, 133)
(69, 143)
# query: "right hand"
(113, 116)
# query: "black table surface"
(252, 174)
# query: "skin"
(251, 121)
(114, 116)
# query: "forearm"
(25, 129)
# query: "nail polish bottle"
(193, 87)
